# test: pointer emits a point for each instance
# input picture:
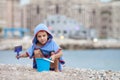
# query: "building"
(3, 12)
(62, 26)
(11, 16)
(115, 20)
(93, 15)
(81, 11)
(108, 21)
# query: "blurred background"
(91, 25)
(81, 19)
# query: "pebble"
(20, 72)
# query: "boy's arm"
(24, 55)
(57, 55)
(57, 50)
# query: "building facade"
(62, 26)
(10, 15)
(80, 11)
(108, 21)
(103, 17)
(3, 12)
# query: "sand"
(20, 72)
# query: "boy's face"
(42, 37)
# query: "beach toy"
(17, 50)
(43, 64)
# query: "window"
(84, 32)
(79, 10)
(52, 31)
(104, 27)
(48, 23)
(52, 22)
(93, 12)
(38, 9)
(59, 31)
(64, 32)
(57, 9)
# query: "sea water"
(98, 59)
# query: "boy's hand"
(53, 56)
(38, 53)
(18, 56)
(21, 55)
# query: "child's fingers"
(17, 56)
(53, 57)
(52, 53)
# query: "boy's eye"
(44, 35)
(38, 36)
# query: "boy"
(44, 46)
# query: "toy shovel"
(17, 50)
(48, 60)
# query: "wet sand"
(20, 72)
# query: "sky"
(105, 0)
(23, 2)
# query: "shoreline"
(68, 44)
(20, 72)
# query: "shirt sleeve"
(30, 51)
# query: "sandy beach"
(20, 72)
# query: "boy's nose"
(42, 37)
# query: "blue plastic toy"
(43, 64)
(18, 49)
